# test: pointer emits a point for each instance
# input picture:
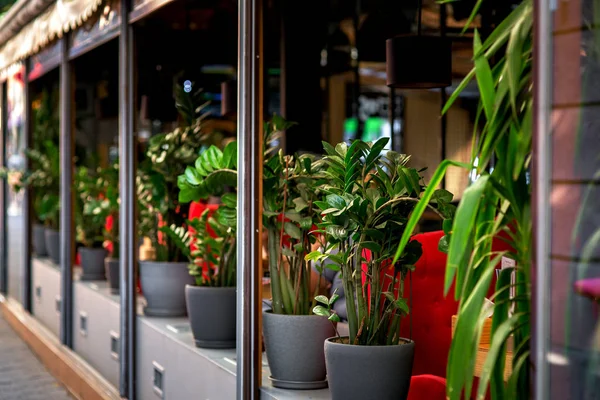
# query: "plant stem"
(276, 292)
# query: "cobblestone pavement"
(22, 375)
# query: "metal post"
(3, 252)
(127, 233)
(443, 96)
(392, 117)
(27, 211)
(541, 194)
(250, 160)
(66, 196)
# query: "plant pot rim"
(91, 248)
(51, 229)
(334, 340)
(164, 262)
(210, 288)
(292, 315)
(112, 259)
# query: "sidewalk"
(22, 375)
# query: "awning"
(58, 19)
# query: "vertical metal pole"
(127, 233)
(28, 126)
(66, 196)
(391, 117)
(443, 97)
(250, 164)
(356, 70)
(542, 76)
(3, 193)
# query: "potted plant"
(369, 197)
(163, 279)
(210, 245)
(111, 234)
(293, 336)
(496, 204)
(90, 218)
(43, 179)
(43, 174)
(106, 208)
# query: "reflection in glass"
(15, 161)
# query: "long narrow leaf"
(464, 221)
(483, 72)
(436, 179)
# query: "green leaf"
(192, 176)
(322, 299)
(229, 160)
(306, 223)
(499, 338)
(442, 195)
(292, 230)
(333, 299)
(230, 200)
(214, 157)
(334, 317)
(321, 311)
(485, 80)
(419, 209)
(373, 246)
(336, 232)
(300, 203)
(464, 223)
(336, 201)
(314, 256)
(402, 306)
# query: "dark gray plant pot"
(111, 267)
(163, 285)
(212, 312)
(38, 238)
(294, 346)
(53, 244)
(92, 263)
(369, 372)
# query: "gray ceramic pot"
(163, 285)
(53, 244)
(369, 372)
(111, 267)
(92, 263)
(38, 238)
(294, 346)
(212, 315)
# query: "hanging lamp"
(418, 62)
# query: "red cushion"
(427, 387)
(431, 311)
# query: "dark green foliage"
(168, 155)
(368, 197)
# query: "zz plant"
(368, 198)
